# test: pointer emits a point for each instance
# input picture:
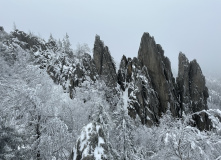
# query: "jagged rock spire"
(153, 95)
(152, 56)
(135, 81)
(191, 86)
(104, 63)
(198, 89)
(1, 28)
(183, 82)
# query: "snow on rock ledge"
(207, 120)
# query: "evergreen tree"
(66, 46)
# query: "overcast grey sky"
(190, 26)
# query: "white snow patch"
(37, 53)
(117, 63)
(166, 138)
(99, 151)
(125, 99)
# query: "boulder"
(202, 121)
(207, 120)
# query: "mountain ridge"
(130, 113)
(164, 92)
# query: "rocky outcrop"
(122, 72)
(202, 121)
(191, 86)
(104, 63)
(89, 66)
(151, 86)
(1, 28)
(183, 83)
(207, 120)
(147, 80)
(135, 81)
(158, 66)
(71, 74)
(193, 92)
(3, 36)
(198, 89)
(29, 42)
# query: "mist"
(192, 27)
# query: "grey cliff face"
(198, 91)
(191, 86)
(152, 56)
(193, 92)
(135, 81)
(152, 88)
(183, 83)
(104, 63)
(122, 72)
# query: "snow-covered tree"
(30, 105)
(66, 46)
(176, 139)
(14, 26)
(81, 49)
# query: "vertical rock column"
(152, 56)
(183, 83)
(191, 86)
(198, 89)
(104, 63)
